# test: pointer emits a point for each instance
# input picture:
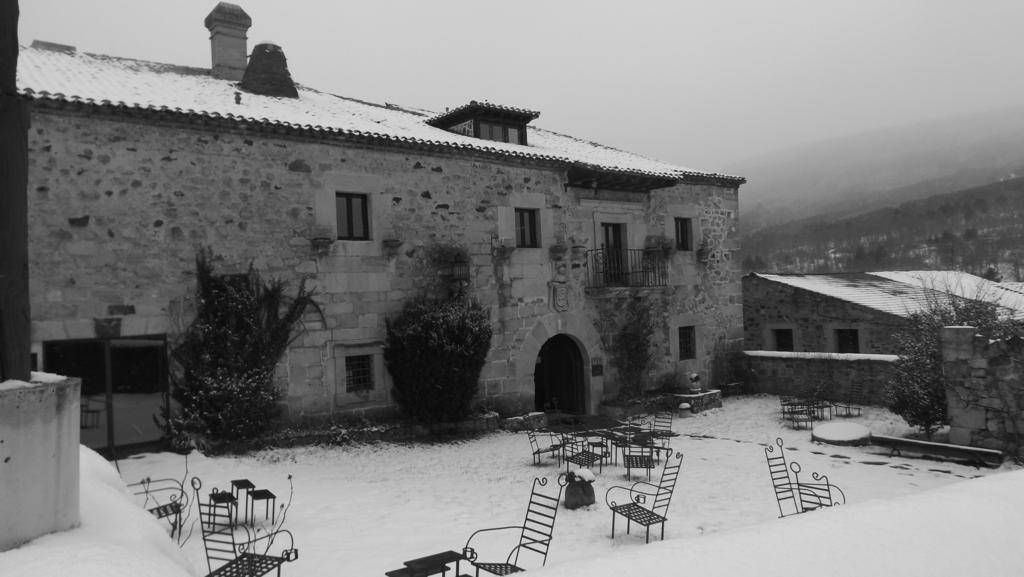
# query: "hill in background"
(979, 230)
(847, 176)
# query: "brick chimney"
(228, 24)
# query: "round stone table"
(836, 433)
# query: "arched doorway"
(558, 376)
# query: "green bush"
(917, 388)
(435, 351)
(631, 351)
(223, 380)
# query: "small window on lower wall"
(358, 373)
(687, 343)
(783, 339)
(847, 341)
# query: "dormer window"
(487, 121)
(500, 132)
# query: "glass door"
(124, 384)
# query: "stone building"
(133, 166)
(852, 312)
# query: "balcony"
(626, 268)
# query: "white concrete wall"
(38, 458)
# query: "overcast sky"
(699, 84)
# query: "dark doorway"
(558, 377)
(124, 384)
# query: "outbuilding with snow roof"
(854, 312)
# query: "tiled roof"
(964, 285)
(519, 113)
(903, 293)
(109, 81)
(1013, 286)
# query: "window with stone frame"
(684, 234)
(353, 216)
(847, 341)
(782, 339)
(358, 373)
(687, 343)
(527, 233)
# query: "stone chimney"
(228, 24)
(267, 73)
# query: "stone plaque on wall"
(560, 296)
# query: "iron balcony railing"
(626, 268)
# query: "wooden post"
(15, 324)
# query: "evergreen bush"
(223, 381)
(435, 350)
(632, 353)
(917, 389)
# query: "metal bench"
(248, 557)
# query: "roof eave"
(651, 180)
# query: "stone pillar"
(39, 444)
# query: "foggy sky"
(702, 85)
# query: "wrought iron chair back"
(854, 399)
(237, 557)
(667, 485)
(663, 422)
(794, 496)
(785, 496)
(817, 494)
(534, 534)
(165, 499)
(553, 448)
(638, 456)
(645, 503)
(539, 523)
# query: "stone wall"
(118, 209)
(783, 373)
(984, 390)
(38, 459)
(813, 317)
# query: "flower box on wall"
(391, 246)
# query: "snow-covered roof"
(903, 293)
(74, 77)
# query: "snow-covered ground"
(361, 510)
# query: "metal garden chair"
(238, 558)
(534, 534)
(550, 447)
(645, 503)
